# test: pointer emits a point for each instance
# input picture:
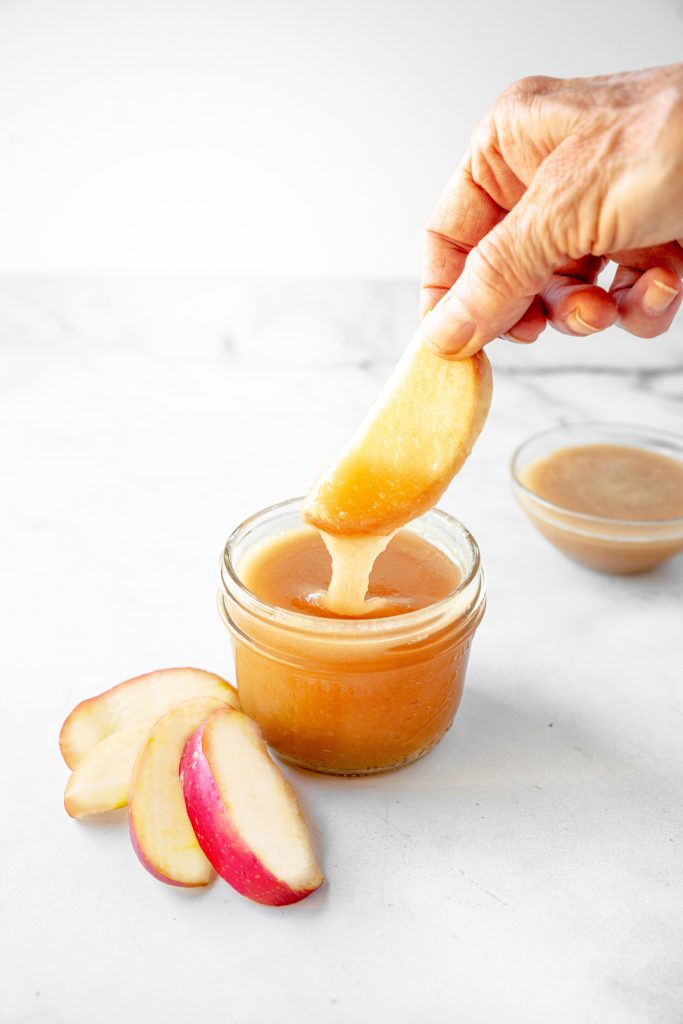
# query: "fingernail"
(521, 341)
(448, 327)
(658, 297)
(579, 325)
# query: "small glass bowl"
(619, 546)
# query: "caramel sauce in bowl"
(607, 495)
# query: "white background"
(528, 871)
(262, 136)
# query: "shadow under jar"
(351, 696)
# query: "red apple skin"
(232, 859)
(148, 866)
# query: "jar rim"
(349, 627)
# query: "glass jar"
(351, 696)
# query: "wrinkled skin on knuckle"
(492, 171)
(529, 127)
(441, 264)
(645, 199)
(529, 87)
(631, 166)
(568, 193)
(498, 263)
(456, 216)
(450, 208)
(523, 150)
(587, 228)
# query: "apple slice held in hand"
(408, 448)
(244, 814)
(160, 829)
(142, 699)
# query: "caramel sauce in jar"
(351, 695)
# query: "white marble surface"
(529, 870)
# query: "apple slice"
(142, 699)
(244, 814)
(160, 829)
(408, 448)
(100, 782)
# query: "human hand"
(561, 177)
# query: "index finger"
(464, 213)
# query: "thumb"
(500, 278)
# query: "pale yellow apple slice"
(100, 782)
(160, 829)
(408, 448)
(142, 699)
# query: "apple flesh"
(414, 439)
(160, 829)
(101, 781)
(245, 815)
(143, 699)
